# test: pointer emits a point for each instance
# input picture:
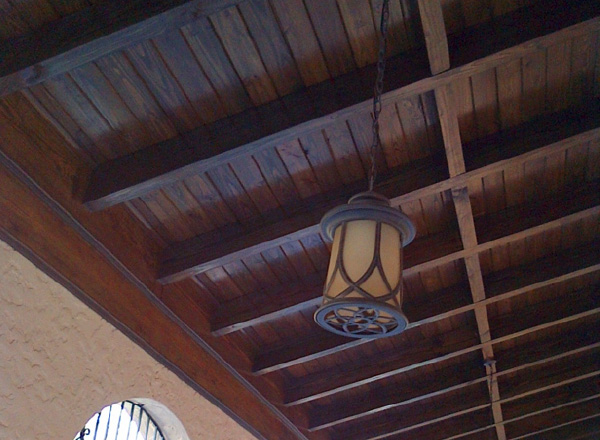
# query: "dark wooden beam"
(537, 138)
(472, 409)
(434, 29)
(577, 204)
(384, 399)
(211, 250)
(573, 429)
(580, 432)
(389, 421)
(131, 176)
(91, 33)
(361, 372)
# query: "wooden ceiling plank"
(504, 285)
(538, 138)
(477, 408)
(323, 384)
(323, 418)
(466, 223)
(91, 33)
(434, 29)
(464, 434)
(552, 428)
(157, 166)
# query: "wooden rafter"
(382, 403)
(521, 227)
(466, 223)
(91, 33)
(434, 29)
(479, 407)
(163, 164)
(323, 385)
(549, 350)
(538, 138)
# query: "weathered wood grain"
(193, 153)
(91, 33)
(434, 28)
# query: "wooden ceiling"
(169, 161)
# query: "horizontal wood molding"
(91, 33)
(514, 147)
(162, 164)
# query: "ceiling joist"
(91, 33)
(538, 138)
(572, 207)
(163, 164)
(549, 352)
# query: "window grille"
(121, 421)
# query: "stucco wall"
(60, 363)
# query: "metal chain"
(378, 90)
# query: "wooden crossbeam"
(561, 436)
(464, 213)
(384, 428)
(576, 205)
(383, 400)
(587, 432)
(163, 164)
(540, 137)
(479, 407)
(434, 29)
(322, 384)
(91, 33)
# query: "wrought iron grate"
(121, 421)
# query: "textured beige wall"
(60, 363)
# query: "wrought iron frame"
(364, 317)
(86, 433)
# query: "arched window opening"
(121, 421)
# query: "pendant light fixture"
(362, 297)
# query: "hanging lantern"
(363, 291)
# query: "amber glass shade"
(363, 292)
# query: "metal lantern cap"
(368, 205)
